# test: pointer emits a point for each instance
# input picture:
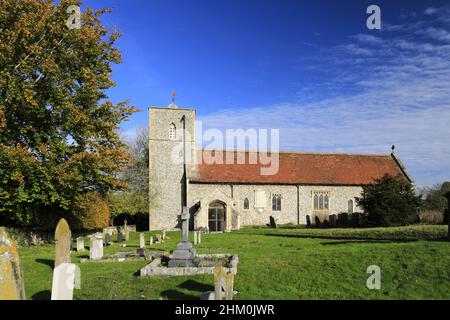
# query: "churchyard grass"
(284, 263)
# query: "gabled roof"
(299, 168)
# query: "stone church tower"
(166, 168)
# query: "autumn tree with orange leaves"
(59, 143)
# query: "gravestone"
(332, 218)
(127, 234)
(184, 254)
(63, 239)
(120, 235)
(195, 237)
(272, 223)
(107, 239)
(80, 244)
(151, 240)
(199, 237)
(163, 237)
(11, 273)
(223, 283)
(308, 221)
(317, 221)
(63, 281)
(96, 248)
(141, 240)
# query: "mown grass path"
(283, 263)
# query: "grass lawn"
(285, 263)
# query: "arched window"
(316, 202)
(276, 202)
(246, 204)
(325, 202)
(321, 202)
(172, 131)
(350, 206)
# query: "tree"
(59, 141)
(435, 196)
(136, 199)
(389, 201)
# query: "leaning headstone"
(151, 240)
(223, 284)
(141, 240)
(195, 237)
(11, 273)
(63, 238)
(63, 281)
(80, 244)
(96, 248)
(107, 239)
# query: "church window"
(246, 204)
(321, 200)
(276, 202)
(172, 131)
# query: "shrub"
(93, 214)
(390, 201)
(431, 217)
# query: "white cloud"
(401, 97)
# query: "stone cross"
(223, 282)
(96, 248)
(11, 273)
(80, 244)
(64, 277)
(185, 225)
(141, 240)
(63, 238)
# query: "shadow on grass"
(359, 241)
(47, 262)
(42, 295)
(195, 286)
(178, 295)
(353, 239)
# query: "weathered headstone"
(80, 244)
(63, 238)
(107, 239)
(127, 234)
(120, 235)
(141, 240)
(223, 282)
(63, 281)
(11, 273)
(96, 248)
(195, 237)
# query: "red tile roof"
(301, 168)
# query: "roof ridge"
(299, 152)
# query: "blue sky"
(311, 69)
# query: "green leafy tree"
(59, 141)
(390, 201)
(434, 196)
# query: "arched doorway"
(216, 216)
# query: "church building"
(225, 196)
